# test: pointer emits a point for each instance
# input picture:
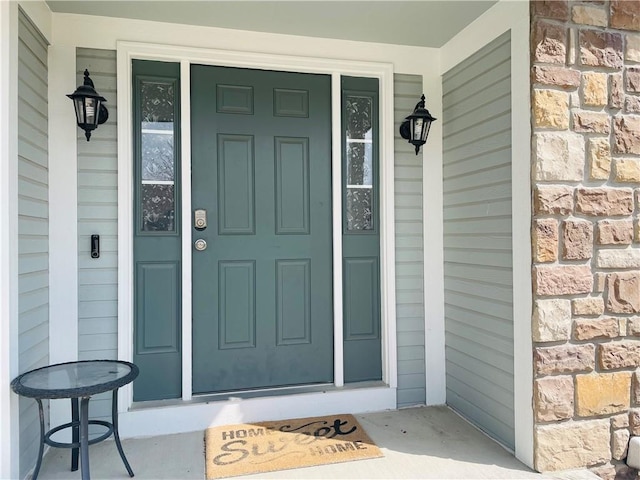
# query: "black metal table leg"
(84, 438)
(116, 434)
(75, 435)
(41, 450)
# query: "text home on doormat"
(267, 446)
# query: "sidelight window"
(359, 162)
(361, 231)
(156, 121)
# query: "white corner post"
(521, 224)
(9, 411)
(433, 227)
(63, 218)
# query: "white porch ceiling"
(424, 23)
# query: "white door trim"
(336, 202)
(126, 52)
(185, 186)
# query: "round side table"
(78, 381)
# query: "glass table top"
(75, 378)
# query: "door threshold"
(256, 393)
(176, 416)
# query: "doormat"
(268, 446)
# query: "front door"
(261, 182)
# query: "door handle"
(200, 244)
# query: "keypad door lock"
(200, 219)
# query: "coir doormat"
(267, 446)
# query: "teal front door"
(262, 269)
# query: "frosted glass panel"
(359, 110)
(157, 151)
(359, 209)
(359, 163)
(157, 156)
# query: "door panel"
(293, 297)
(361, 299)
(292, 185)
(262, 290)
(236, 182)
(157, 290)
(157, 237)
(237, 304)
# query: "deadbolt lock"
(200, 244)
(200, 219)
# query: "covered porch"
(448, 332)
(422, 442)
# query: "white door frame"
(126, 52)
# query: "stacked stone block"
(585, 98)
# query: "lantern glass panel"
(418, 128)
(91, 106)
(79, 107)
(425, 133)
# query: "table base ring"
(53, 443)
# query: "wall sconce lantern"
(89, 105)
(416, 126)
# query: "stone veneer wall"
(586, 233)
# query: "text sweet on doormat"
(267, 446)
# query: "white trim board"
(432, 236)
(336, 202)
(104, 33)
(185, 185)
(521, 214)
(9, 409)
(40, 15)
(63, 221)
(127, 51)
(503, 16)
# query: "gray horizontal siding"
(409, 250)
(98, 214)
(477, 239)
(33, 224)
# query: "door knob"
(200, 244)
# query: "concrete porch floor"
(426, 442)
